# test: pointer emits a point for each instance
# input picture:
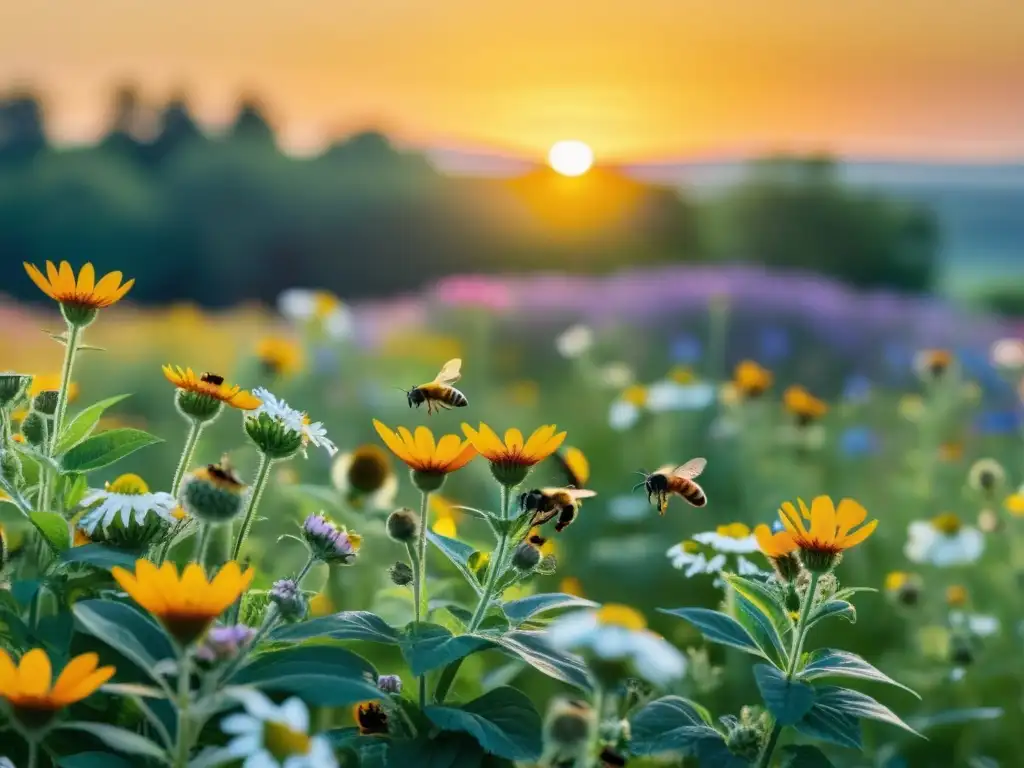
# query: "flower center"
(635, 395)
(129, 485)
(690, 547)
(324, 304)
(369, 469)
(682, 375)
(615, 615)
(896, 580)
(282, 742)
(733, 531)
(947, 523)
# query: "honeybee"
(671, 479)
(440, 393)
(547, 503)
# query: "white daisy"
(670, 395)
(128, 496)
(276, 408)
(687, 557)
(735, 538)
(575, 341)
(623, 415)
(320, 308)
(980, 625)
(315, 433)
(618, 633)
(271, 736)
(943, 541)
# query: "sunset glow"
(571, 158)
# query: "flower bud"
(787, 567)
(273, 437)
(509, 474)
(526, 557)
(403, 525)
(10, 467)
(986, 476)
(547, 565)
(35, 429)
(225, 643)
(427, 482)
(744, 741)
(197, 406)
(389, 684)
(46, 402)
(212, 494)
(328, 543)
(288, 598)
(569, 724)
(401, 574)
(12, 388)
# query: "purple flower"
(329, 543)
(288, 598)
(224, 643)
(389, 684)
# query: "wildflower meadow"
(703, 517)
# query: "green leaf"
(73, 489)
(787, 700)
(840, 608)
(94, 760)
(761, 629)
(830, 662)
(104, 449)
(533, 648)
(54, 527)
(768, 603)
(347, 625)
(119, 739)
(804, 756)
(857, 704)
(519, 611)
(84, 423)
(671, 724)
(459, 554)
(503, 721)
(478, 563)
(99, 556)
(831, 725)
(718, 628)
(127, 631)
(429, 646)
(955, 717)
(321, 675)
(447, 750)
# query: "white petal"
(572, 629)
(261, 759)
(296, 716)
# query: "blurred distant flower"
(1014, 503)
(775, 344)
(445, 525)
(575, 341)
(857, 389)
(1008, 355)
(723, 428)
(618, 633)
(669, 395)
(979, 625)
(626, 509)
(279, 356)
(223, 643)
(365, 474)
(803, 405)
(685, 349)
(412, 344)
(626, 410)
(615, 375)
(474, 291)
(320, 605)
(734, 538)
(79, 299)
(957, 596)
(904, 587)
(951, 451)
(858, 441)
(943, 541)
(751, 380)
(911, 407)
(987, 476)
(570, 585)
(932, 364)
(574, 465)
(269, 735)
(523, 393)
(998, 422)
(688, 557)
(321, 310)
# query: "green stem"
(195, 430)
(799, 635)
(33, 753)
(422, 598)
(262, 475)
(202, 542)
(70, 349)
(181, 754)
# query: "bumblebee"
(212, 378)
(547, 503)
(440, 393)
(670, 479)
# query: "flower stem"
(70, 349)
(799, 635)
(191, 441)
(254, 500)
(184, 673)
(422, 598)
(33, 753)
(202, 541)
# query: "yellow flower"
(512, 458)
(212, 386)
(81, 538)
(445, 526)
(829, 533)
(188, 604)
(956, 596)
(422, 454)
(615, 615)
(802, 404)
(635, 394)
(751, 380)
(442, 506)
(279, 356)
(523, 393)
(682, 374)
(950, 452)
(1014, 504)
(911, 407)
(85, 293)
(321, 605)
(570, 585)
(895, 580)
(575, 466)
(51, 381)
(29, 685)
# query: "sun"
(571, 158)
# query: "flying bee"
(440, 393)
(671, 479)
(547, 503)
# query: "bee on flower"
(202, 397)
(943, 541)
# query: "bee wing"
(581, 493)
(691, 469)
(666, 469)
(450, 372)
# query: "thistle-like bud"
(328, 543)
(428, 482)
(401, 574)
(46, 402)
(744, 741)
(273, 437)
(569, 725)
(389, 684)
(34, 428)
(197, 406)
(526, 557)
(225, 643)
(547, 565)
(787, 567)
(12, 388)
(212, 494)
(288, 598)
(509, 474)
(10, 467)
(403, 525)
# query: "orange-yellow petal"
(8, 674)
(391, 440)
(823, 519)
(424, 443)
(86, 280)
(448, 448)
(84, 687)
(107, 286)
(77, 670)
(539, 439)
(791, 519)
(34, 673)
(849, 514)
(467, 454)
(37, 277)
(52, 276)
(120, 292)
(859, 535)
(66, 278)
(513, 440)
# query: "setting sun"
(571, 158)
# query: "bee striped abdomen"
(455, 398)
(690, 491)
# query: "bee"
(440, 393)
(547, 503)
(212, 378)
(671, 479)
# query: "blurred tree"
(176, 129)
(22, 136)
(795, 213)
(127, 121)
(251, 124)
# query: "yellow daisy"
(212, 386)
(751, 380)
(422, 454)
(512, 458)
(830, 533)
(79, 298)
(279, 356)
(29, 684)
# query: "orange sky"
(637, 79)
